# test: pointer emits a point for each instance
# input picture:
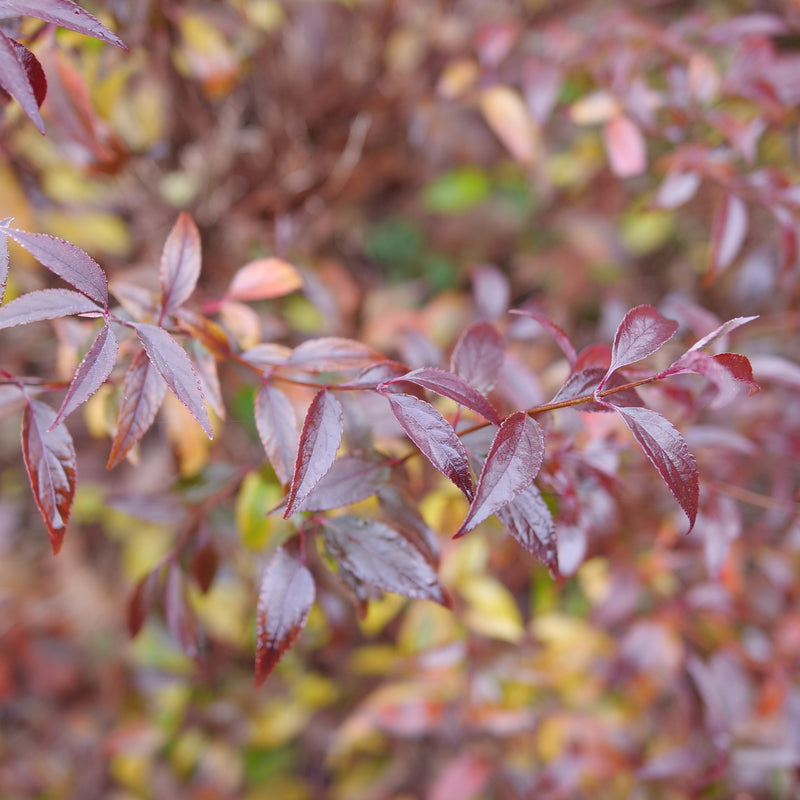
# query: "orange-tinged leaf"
(50, 461)
(263, 279)
(506, 114)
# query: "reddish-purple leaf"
(319, 441)
(514, 460)
(491, 290)
(405, 518)
(205, 561)
(435, 438)
(677, 188)
(586, 382)
(45, 304)
(65, 14)
(263, 279)
(3, 260)
(70, 263)
(373, 375)
(180, 263)
(528, 519)
(452, 386)
(284, 602)
(176, 368)
(560, 338)
(92, 372)
(730, 373)
(722, 330)
(49, 457)
(142, 600)
(207, 371)
(15, 79)
(669, 454)
(180, 616)
(478, 356)
(332, 353)
(641, 333)
(277, 428)
(352, 478)
(143, 391)
(625, 146)
(729, 232)
(371, 555)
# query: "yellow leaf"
(492, 610)
(507, 116)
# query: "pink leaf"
(491, 290)
(277, 428)
(641, 333)
(560, 338)
(51, 465)
(143, 391)
(625, 146)
(264, 279)
(586, 382)
(180, 263)
(514, 460)
(92, 372)
(371, 555)
(15, 79)
(3, 260)
(528, 519)
(65, 14)
(435, 438)
(319, 441)
(351, 479)
(284, 602)
(70, 263)
(463, 778)
(478, 356)
(332, 353)
(729, 232)
(677, 188)
(668, 453)
(175, 367)
(45, 304)
(452, 386)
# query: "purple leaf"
(730, 373)
(449, 385)
(729, 232)
(514, 460)
(560, 338)
(284, 602)
(435, 438)
(51, 465)
(332, 353)
(179, 615)
(677, 188)
(667, 451)
(65, 14)
(587, 381)
(175, 367)
(372, 555)
(15, 79)
(3, 261)
(352, 478)
(180, 263)
(491, 290)
(641, 333)
(45, 304)
(142, 600)
(319, 441)
(143, 391)
(478, 356)
(277, 428)
(70, 263)
(207, 371)
(373, 375)
(92, 372)
(722, 330)
(405, 518)
(528, 519)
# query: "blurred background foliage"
(391, 150)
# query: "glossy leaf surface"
(352, 478)
(514, 460)
(92, 372)
(372, 555)
(284, 602)
(435, 438)
(478, 356)
(180, 263)
(175, 367)
(586, 382)
(50, 462)
(642, 332)
(529, 520)
(669, 454)
(319, 441)
(277, 428)
(143, 391)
